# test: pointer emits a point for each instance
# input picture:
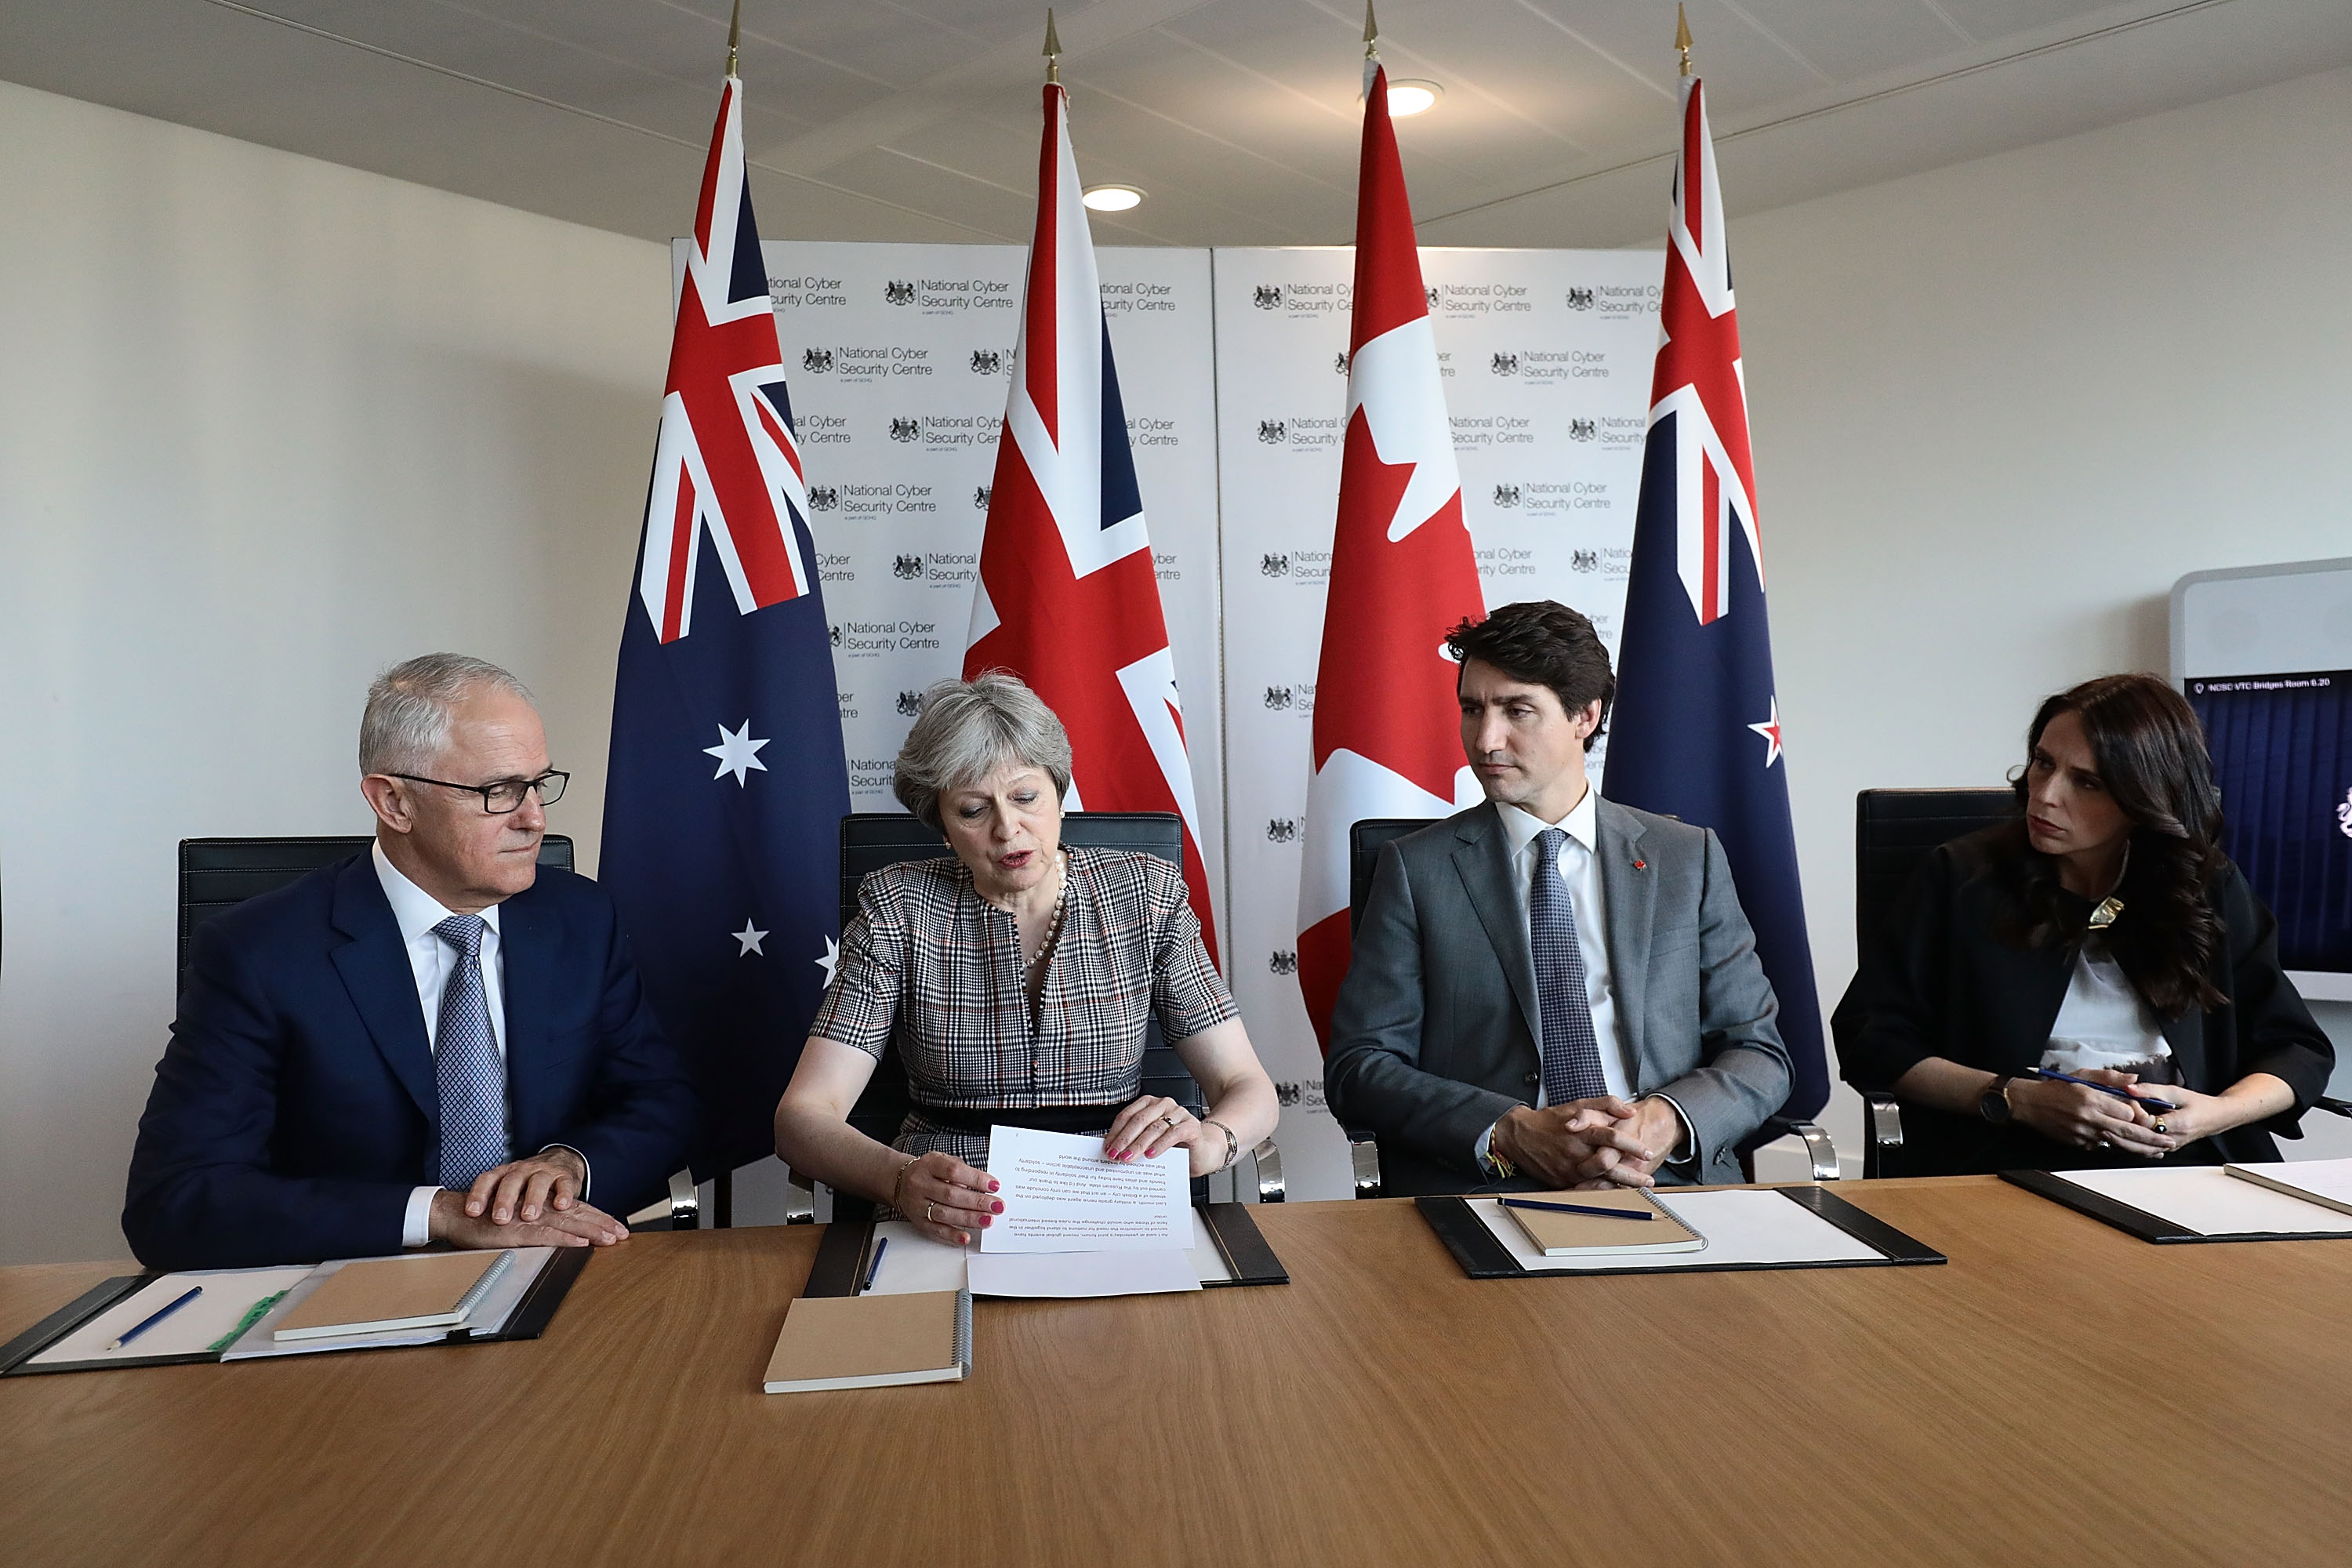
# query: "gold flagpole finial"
(734, 36)
(1053, 50)
(1371, 33)
(1683, 38)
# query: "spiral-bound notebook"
(872, 1342)
(383, 1295)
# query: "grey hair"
(407, 717)
(968, 729)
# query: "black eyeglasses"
(505, 796)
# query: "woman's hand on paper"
(946, 1199)
(1153, 1124)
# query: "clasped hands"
(2070, 1113)
(1594, 1143)
(530, 1201)
(947, 1199)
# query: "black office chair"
(218, 874)
(1895, 830)
(871, 840)
(1364, 841)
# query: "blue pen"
(1575, 1208)
(874, 1266)
(130, 1334)
(2046, 1075)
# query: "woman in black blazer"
(2103, 934)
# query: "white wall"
(266, 425)
(1999, 407)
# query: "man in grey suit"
(1550, 990)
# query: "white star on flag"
(1770, 731)
(738, 753)
(751, 938)
(831, 958)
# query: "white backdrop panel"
(898, 358)
(1546, 357)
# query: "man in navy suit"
(436, 1041)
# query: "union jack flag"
(726, 460)
(727, 781)
(1069, 597)
(1697, 723)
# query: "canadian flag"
(1386, 742)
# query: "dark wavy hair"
(2151, 756)
(1543, 642)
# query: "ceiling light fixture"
(1406, 97)
(1112, 198)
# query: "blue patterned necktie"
(1571, 1053)
(472, 1078)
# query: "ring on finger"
(929, 1206)
(2159, 1126)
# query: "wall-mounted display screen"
(2281, 750)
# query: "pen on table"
(2046, 1074)
(130, 1334)
(873, 1266)
(1575, 1208)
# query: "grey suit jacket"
(1433, 1036)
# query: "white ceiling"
(918, 119)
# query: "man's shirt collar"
(416, 910)
(1582, 824)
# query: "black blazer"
(296, 1106)
(1938, 980)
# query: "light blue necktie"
(465, 1062)
(1571, 1051)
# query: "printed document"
(1060, 1194)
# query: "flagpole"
(734, 36)
(1372, 47)
(1682, 37)
(1053, 50)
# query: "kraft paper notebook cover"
(380, 1295)
(1590, 1236)
(872, 1342)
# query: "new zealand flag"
(727, 782)
(1696, 732)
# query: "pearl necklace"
(1061, 907)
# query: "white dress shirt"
(433, 961)
(1580, 868)
(2105, 1022)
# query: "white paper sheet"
(2329, 1179)
(229, 1294)
(913, 1262)
(489, 1318)
(1061, 1195)
(1742, 1224)
(1065, 1274)
(2211, 1202)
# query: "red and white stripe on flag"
(725, 462)
(1387, 738)
(1069, 597)
(1698, 378)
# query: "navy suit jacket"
(296, 1106)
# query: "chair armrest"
(682, 1210)
(800, 1198)
(1364, 1161)
(1265, 1161)
(1882, 1121)
(1819, 1149)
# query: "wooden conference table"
(2060, 1393)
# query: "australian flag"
(1697, 727)
(728, 781)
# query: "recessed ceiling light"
(1413, 98)
(1112, 198)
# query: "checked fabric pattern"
(1571, 1053)
(467, 1064)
